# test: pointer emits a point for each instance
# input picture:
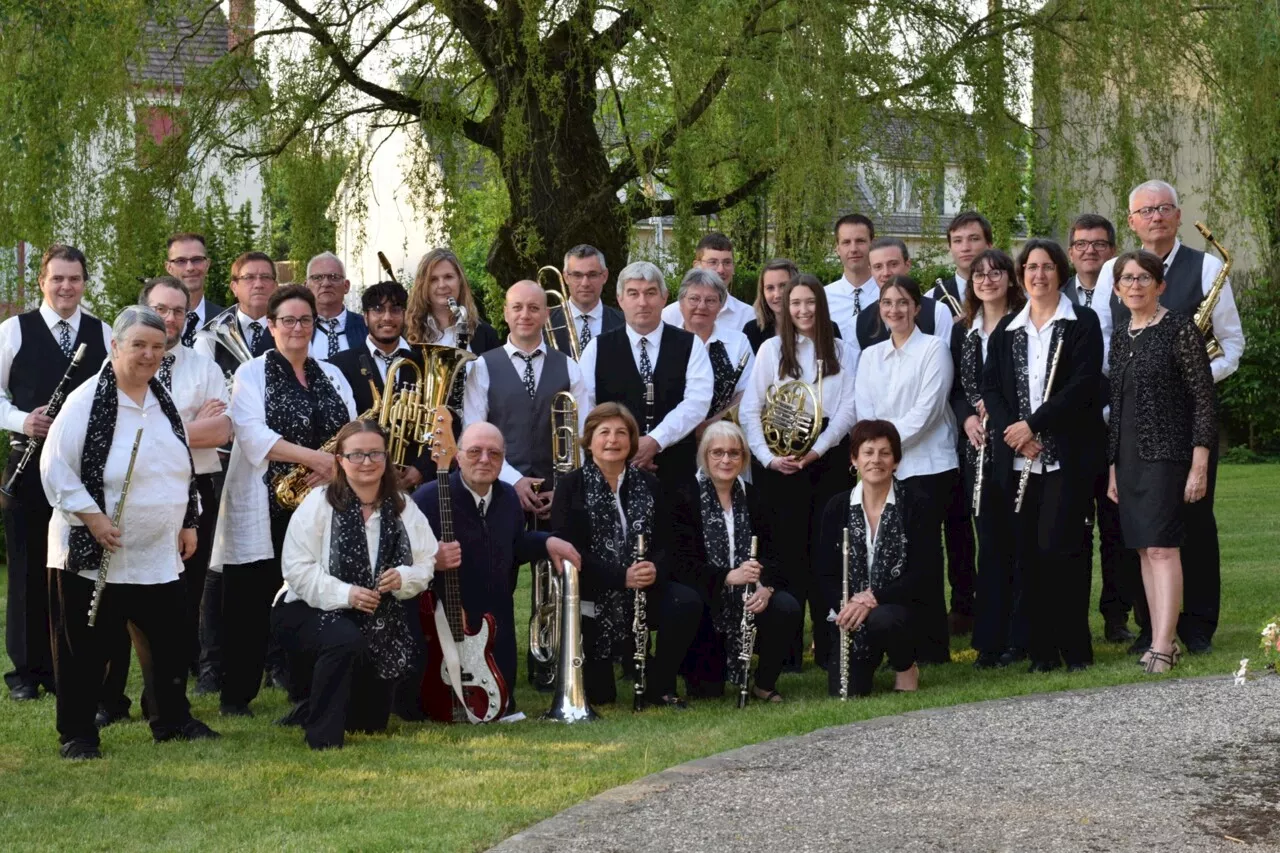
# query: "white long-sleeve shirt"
(838, 399)
(244, 517)
(196, 380)
(11, 417)
(909, 386)
(157, 501)
(698, 385)
(1039, 362)
(844, 307)
(304, 560)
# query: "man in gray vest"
(512, 387)
(1188, 274)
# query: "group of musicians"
(223, 490)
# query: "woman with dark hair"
(285, 405)
(888, 525)
(774, 276)
(798, 486)
(602, 509)
(1162, 427)
(993, 292)
(906, 380)
(353, 551)
(1042, 390)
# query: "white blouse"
(304, 560)
(157, 501)
(244, 517)
(197, 379)
(837, 393)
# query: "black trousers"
(211, 625)
(1121, 569)
(705, 664)
(79, 651)
(1055, 580)
(995, 625)
(332, 673)
(889, 632)
(933, 640)
(1201, 566)
(795, 503)
(675, 617)
(26, 627)
(247, 592)
(958, 534)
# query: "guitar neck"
(451, 592)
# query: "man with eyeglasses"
(714, 252)
(1154, 216)
(585, 273)
(253, 280)
(337, 329)
(188, 261)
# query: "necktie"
(255, 336)
(166, 372)
(189, 332)
(331, 329)
(1088, 297)
(585, 337)
(64, 337)
(385, 358)
(529, 384)
(646, 366)
(857, 301)
(480, 507)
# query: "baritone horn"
(560, 296)
(792, 416)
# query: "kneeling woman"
(351, 550)
(602, 509)
(888, 525)
(716, 518)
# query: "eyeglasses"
(393, 310)
(168, 312)
(259, 276)
(188, 262)
(1142, 280)
(359, 457)
(1032, 269)
(720, 453)
(294, 322)
(1148, 212)
(583, 276)
(993, 275)
(1096, 245)
(699, 301)
(321, 278)
(475, 453)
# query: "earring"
(853, 470)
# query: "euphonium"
(225, 330)
(561, 296)
(570, 704)
(1204, 314)
(403, 416)
(790, 428)
(547, 611)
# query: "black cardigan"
(960, 405)
(571, 522)
(1173, 390)
(828, 559)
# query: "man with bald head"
(490, 537)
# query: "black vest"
(618, 378)
(40, 363)
(525, 424)
(871, 331)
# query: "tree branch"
(606, 43)
(643, 208)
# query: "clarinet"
(1028, 464)
(640, 628)
(9, 489)
(844, 634)
(100, 582)
(648, 408)
(748, 629)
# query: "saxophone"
(290, 488)
(1204, 314)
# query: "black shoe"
(192, 729)
(669, 701)
(296, 717)
(1044, 666)
(235, 711)
(1011, 656)
(104, 718)
(959, 623)
(207, 683)
(24, 693)
(1117, 631)
(1140, 645)
(1199, 647)
(1077, 667)
(79, 750)
(277, 678)
(987, 660)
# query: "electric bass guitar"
(484, 693)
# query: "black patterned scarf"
(305, 416)
(724, 375)
(715, 536)
(391, 646)
(84, 552)
(890, 558)
(1050, 453)
(616, 548)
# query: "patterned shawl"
(715, 535)
(305, 416)
(615, 547)
(890, 557)
(1021, 368)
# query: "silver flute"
(977, 477)
(1028, 464)
(844, 634)
(640, 629)
(100, 582)
(748, 629)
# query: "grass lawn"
(436, 787)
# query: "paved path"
(1175, 765)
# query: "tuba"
(792, 416)
(562, 297)
(1204, 314)
(548, 608)
(570, 703)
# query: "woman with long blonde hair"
(430, 319)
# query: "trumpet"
(748, 629)
(100, 582)
(844, 634)
(560, 296)
(947, 299)
(1028, 464)
(790, 429)
(640, 630)
(1204, 314)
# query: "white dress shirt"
(475, 399)
(304, 559)
(734, 314)
(487, 497)
(374, 353)
(196, 380)
(157, 502)
(244, 518)
(698, 385)
(11, 417)
(840, 303)
(909, 386)
(595, 319)
(1039, 355)
(320, 336)
(838, 404)
(1226, 316)
(201, 309)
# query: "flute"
(640, 629)
(977, 477)
(844, 634)
(1028, 464)
(748, 643)
(100, 582)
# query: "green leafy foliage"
(1250, 397)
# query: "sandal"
(773, 697)
(1158, 658)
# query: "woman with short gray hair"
(702, 294)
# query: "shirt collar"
(245, 319)
(595, 313)
(1168, 259)
(477, 497)
(51, 318)
(653, 337)
(374, 351)
(512, 349)
(961, 283)
(198, 308)
(856, 497)
(322, 323)
(890, 351)
(1065, 312)
(147, 402)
